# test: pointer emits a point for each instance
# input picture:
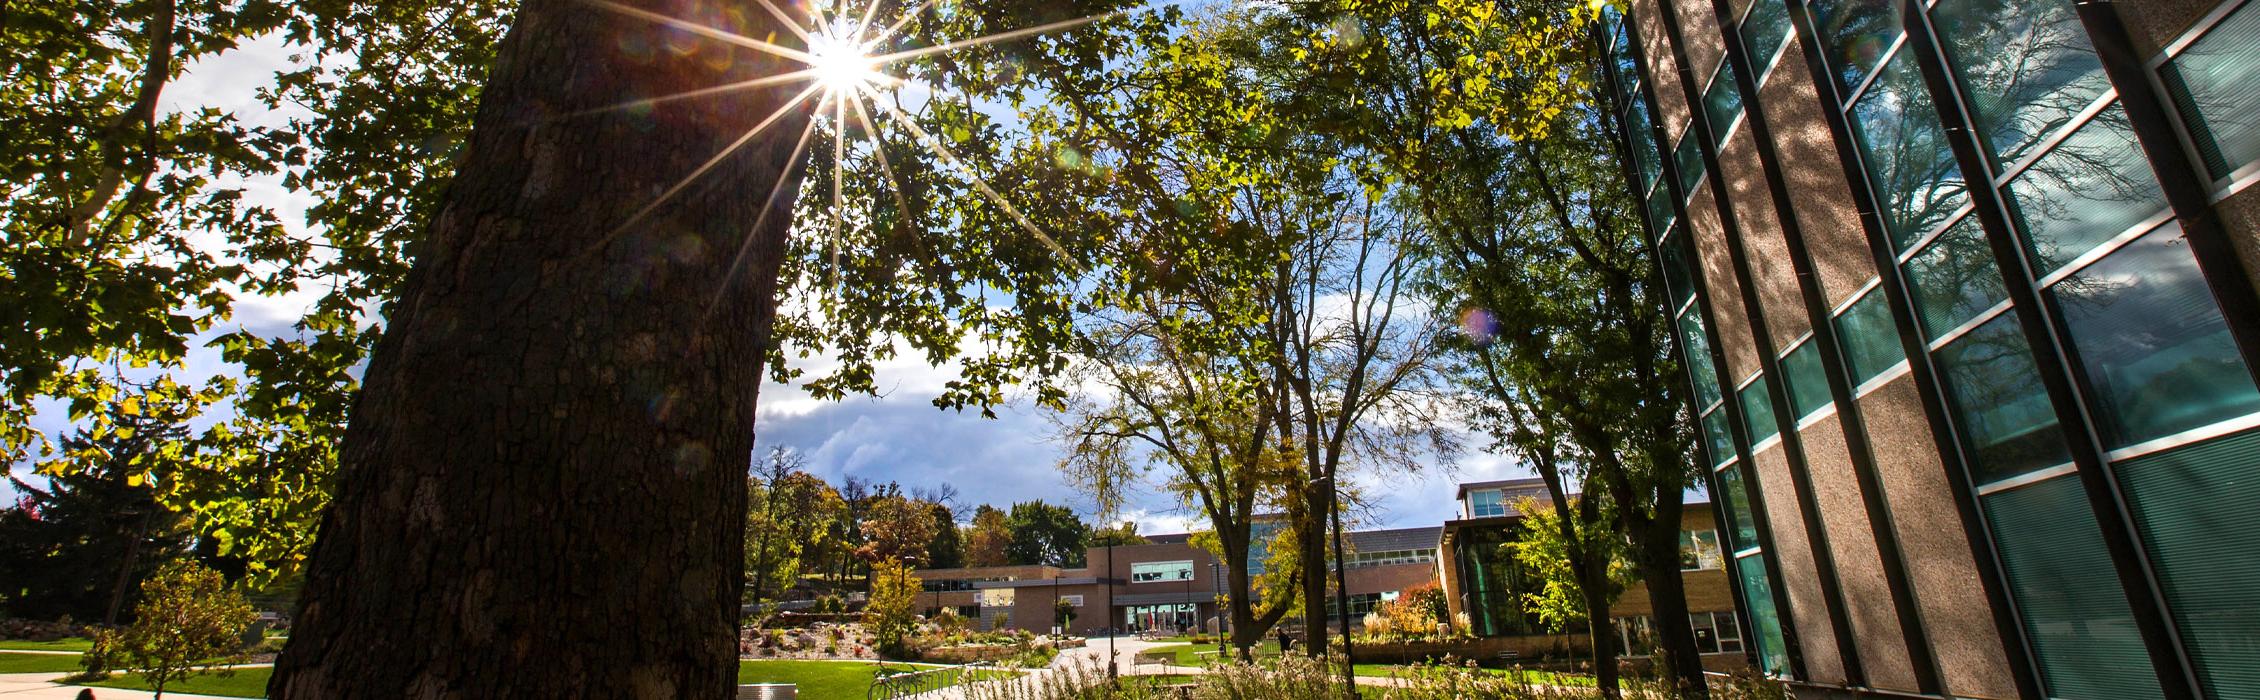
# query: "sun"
(840, 59)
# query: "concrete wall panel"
(1800, 578)
(1940, 566)
(1823, 201)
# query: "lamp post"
(1223, 622)
(1341, 586)
(1112, 633)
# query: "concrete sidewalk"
(41, 686)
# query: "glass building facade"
(1965, 293)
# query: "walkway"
(41, 686)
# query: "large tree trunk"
(1310, 541)
(542, 491)
(1594, 589)
(1658, 555)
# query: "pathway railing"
(891, 683)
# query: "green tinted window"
(1906, 153)
(1660, 212)
(2091, 188)
(1679, 266)
(1807, 381)
(1688, 160)
(2215, 83)
(1763, 31)
(2186, 500)
(1954, 278)
(2026, 64)
(1717, 437)
(1738, 508)
(1722, 101)
(1757, 592)
(1699, 367)
(2075, 613)
(1646, 160)
(2152, 342)
(1757, 408)
(1871, 342)
(2006, 421)
(1855, 34)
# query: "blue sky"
(899, 436)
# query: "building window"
(1660, 213)
(1391, 557)
(1486, 503)
(1716, 632)
(2088, 190)
(1679, 267)
(1074, 600)
(1954, 279)
(1699, 550)
(1763, 32)
(1699, 366)
(997, 597)
(1757, 593)
(1360, 604)
(1636, 635)
(2214, 83)
(2026, 64)
(1757, 411)
(1871, 342)
(2006, 421)
(1717, 437)
(2152, 343)
(1647, 158)
(1160, 571)
(1738, 508)
(1689, 160)
(2185, 500)
(1855, 34)
(1805, 379)
(1907, 157)
(2075, 614)
(1722, 102)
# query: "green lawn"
(821, 679)
(64, 644)
(239, 683)
(38, 663)
(1189, 654)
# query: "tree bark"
(1658, 555)
(541, 491)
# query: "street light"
(1112, 633)
(1223, 623)
(1341, 587)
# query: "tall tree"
(787, 528)
(947, 551)
(1046, 534)
(987, 538)
(897, 530)
(81, 546)
(539, 291)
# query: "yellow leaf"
(133, 480)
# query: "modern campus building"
(1966, 293)
(1482, 581)
(1165, 584)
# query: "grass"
(823, 679)
(64, 644)
(1189, 654)
(239, 683)
(38, 663)
(1534, 676)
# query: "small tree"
(187, 614)
(1539, 547)
(893, 591)
(1064, 612)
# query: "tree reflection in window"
(1906, 153)
(2027, 66)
